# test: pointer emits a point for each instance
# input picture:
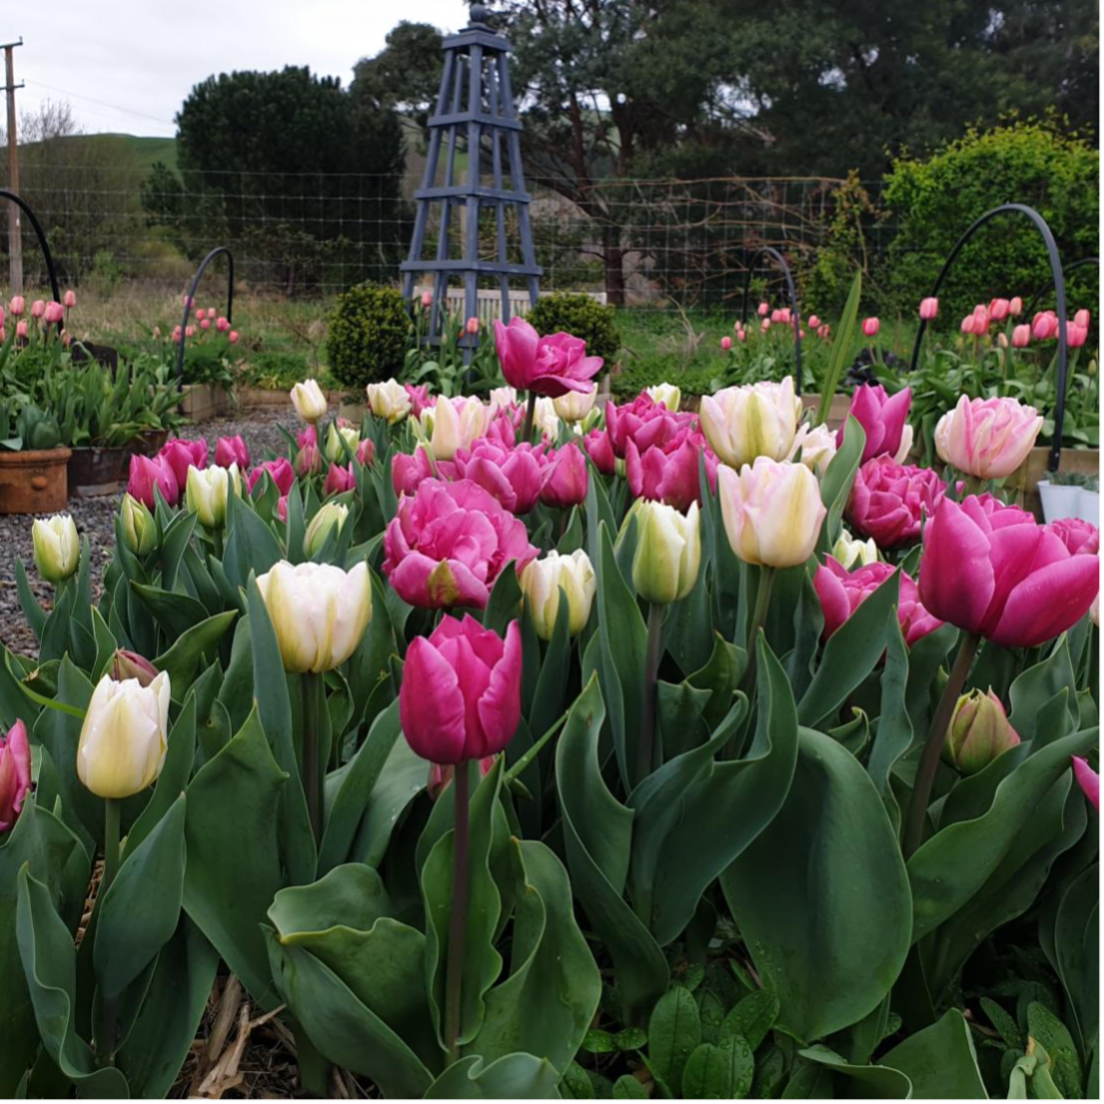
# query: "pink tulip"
(741, 335)
(189, 331)
(784, 316)
(408, 470)
(21, 329)
(550, 366)
(841, 592)
(644, 422)
(987, 438)
(670, 473)
(1076, 335)
(130, 665)
(1079, 536)
(222, 325)
(929, 308)
(449, 542)
(308, 461)
(17, 305)
(69, 299)
(889, 501)
(726, 343)
(427, 299)
(187, 301)
(967, 325)
(419, 398)
(231, 450)
(871, 326)
(824, 331)
(200, 314)
(366, 452)
(15, 774)
(339, 480)
(1015, 306)
(566, 478)
(282, 508)
(1021, 336)
(54, 312)
(600, 450)
(472, 326)
(998, 309)
(776, 315)
(512, 476)
(460, 697)
(1015, 584)
(814, 322)
(1044, 326)
(1083, 317)
(147, 473)
(883, 418)
(181, 455)
(999, 513)
(281, 471)
(205, 324)
(1088, 780)
(764, 325)
(38, 308)
(308, 435)
(233, 337)
(764, 309)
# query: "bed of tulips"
(526, 749)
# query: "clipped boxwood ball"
(579, 314)
(368, 335)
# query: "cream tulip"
(330, 515)
(666, 394)
(545, 418)
(744, 423)
(124, 736)
(454, 424)
(389, 401)
(502, 398)
(668, 551)
(574, 406)
(541, 582)
(139, 526)
(207, 491)
(341, 443)
(817, 445)
(56, 547)
(318, 611)
(772, 512)
(309, 401)
(850, 551)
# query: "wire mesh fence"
(663, 244)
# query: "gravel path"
(95, 518)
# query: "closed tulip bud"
(668, 551)
(542, 581)
(308, 461)
(139, 526)
(318, 611)
(814, 321)
(231, 450)
(1044, 326)
(54, 312)
(330, 517)
(1076, 335)
(726, 343)
(456, 424)
(21, 329)
(574, 406)
(1015, 306)
(871, 326)
(205, 324)
(222, 324)
(998, 309)
(309, 401)
(979, 731)
(341, 441)
(772, 512)
(233, 337)
(668, 394)
(70, 299)
(1087, 779)
(17, 305)
(764, 309)
(851, 551)
(427, 299)
(1002, 340)
(366, 452)
(56, 547)
(206, 493)
(1021, 336)
(124, 736)
(389, 401)
(38, 308)
(15, 774)
(1083, 317)
(130, 665)
(817, 445)
(764, 325)
(987, 438)
(566, 478)
(929, 308)
(742, 423)
(472, 326)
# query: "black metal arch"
(1060, 289)
(190, 297)
(37, 227)
(795, 310)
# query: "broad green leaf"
(1039, 684)
(940, 1061)
(1046, 1028)
(515, 1077)
(753, 1017)
(175, 613)
(674, 1033)
(841, 348)
(839, 478)
(504, 604)
(197, 643)
(863, 1081)
(628, 1088)
(821, 896)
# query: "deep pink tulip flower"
(871, 326)
(1044, 326)
(645, 422)
(54, 312)
(890, 500)
(15, 774)
(281, 508)
(814, 321)
(449, 542)
(1079, 536)
(232, 450)
(408, 470)
(1087, 779)
(670, 474)
(566, 478)
(929, 308)
(460, 697)
(600, 450)
(419, 398)
(513, 476)
(181, 454)
(883, 418)
(283, 474)
(339, 480)
(550, 366)
(1017, 585)
(841, 592)
(146, 473)
(726, 343)
(366, 452)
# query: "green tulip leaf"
(839, 477)
(719, 1072)
(198, 643)
(174, 613)
(515, 1077)
(504, 604)
(940, 1061)
(251, 546)
(1031, 690)
(863, 1081)
(821, 896)
(36, 616)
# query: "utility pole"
(15, 230)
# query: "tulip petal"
(1048, 602)
(431, 707)
(956, 575)
(500, 705)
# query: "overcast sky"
(127, 65)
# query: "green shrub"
(579, 314)
(368, 335)
(934, 201)
(651, 371)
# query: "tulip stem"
(758, 620)
(530, 417)
(311, 780)
(646, 755)
(216, 540)
(108, 1014)
(518, 769)
(458, 920)
(929, 761)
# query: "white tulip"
(56, 547)
(668, 551)
(744, 423)
(817, 445)
(389, 401)
(309, 401)
(541, 582)
(207, 491)
(850, 550)
(666, 394)
(575, 405)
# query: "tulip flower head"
(764, 309)
(330, 518)
(543, 579)
(124, 737)
(852, 552)
(309, 401)
(574, 406)
(565, 478)
(987, 438)
(457, 423)
(726, 343)
(319, 612)
(460, 697)
(979, 731)
(884, 419)
(667, 394)
(231, 450)
(1079, 536)
(17, 305)
(1044, 326)
(871, 326)
(889, 501)
(668, 550)
(1021, 336)
(207, 492)
(389, 401)
(1088, 780)
(339, 480)
(513, 476)
(1083, 317)
(38, 308)
(817, 446)
(15, 774)
(744, 423)
(21, 329)
(56, 547)
(280, 470)
(139, 527)
(181, 454)
(814, 322)
(149, 476)
(929, 308)
(1015, 306)
(670, 472)
(550, 366)
(130, 665)
(341, 442)
(998, 309)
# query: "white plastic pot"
(1088, 506)
(1059, 501)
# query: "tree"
(405, 75)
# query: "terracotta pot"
(34, 482)
(98, 471)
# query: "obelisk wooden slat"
(475, 106)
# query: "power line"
(102, 103)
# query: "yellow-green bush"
(368, 335)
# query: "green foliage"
(368, 335)
(934, 200)
(583, 316)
